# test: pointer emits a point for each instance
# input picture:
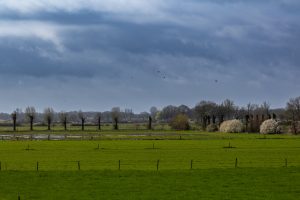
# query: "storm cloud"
(93, 55)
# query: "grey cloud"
(251, 47)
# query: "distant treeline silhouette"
(204, 114)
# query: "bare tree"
(229, 108)
(14, 118)
(293, 112)
(20, 116)
(82, 117)
(30, 114)
(252, 111)
(63, 116)
(153, 111)
(115, 114)
(265, 108)
(48, 117)
(168, 113)
(128, 114)
(204, 111)
(98, 119)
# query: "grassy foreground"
(267, 168)
(247, 183)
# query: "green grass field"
(267, 168)
(245, 183)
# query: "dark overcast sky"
(96, 54)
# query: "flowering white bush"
(270, 126)
(232, 126)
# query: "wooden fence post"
(37, 166)
(286, 163)
(78, 164)
(236, 163)
(191, 164)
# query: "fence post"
(286, 163)
(37, 166)
(78, 163)
(191, 164)
(19, 198)
(119, 164)
(236, 163)
(157, 165)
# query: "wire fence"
(158, 164)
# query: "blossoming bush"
(270, 126)
(212, 128)
(232, 126)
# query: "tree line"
(204, 113)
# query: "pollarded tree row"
(209, 115)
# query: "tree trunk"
(65, 124)
(14, 124)
(246, 126)
(49, 124)
(99, 123)
(221, 119)
(294, 125)
(82, 124)
(208, 120)
(116, 124)
(257, 124)
(31, 123)
(214, 119)
(150, 123)
(204, 123)
(251, 123)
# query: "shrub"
(270, 126)
(212, 128)
(294, 127)
(232, 126)
(180, 122)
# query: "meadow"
(198, 165)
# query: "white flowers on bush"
(232, 126)
(270, 126)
